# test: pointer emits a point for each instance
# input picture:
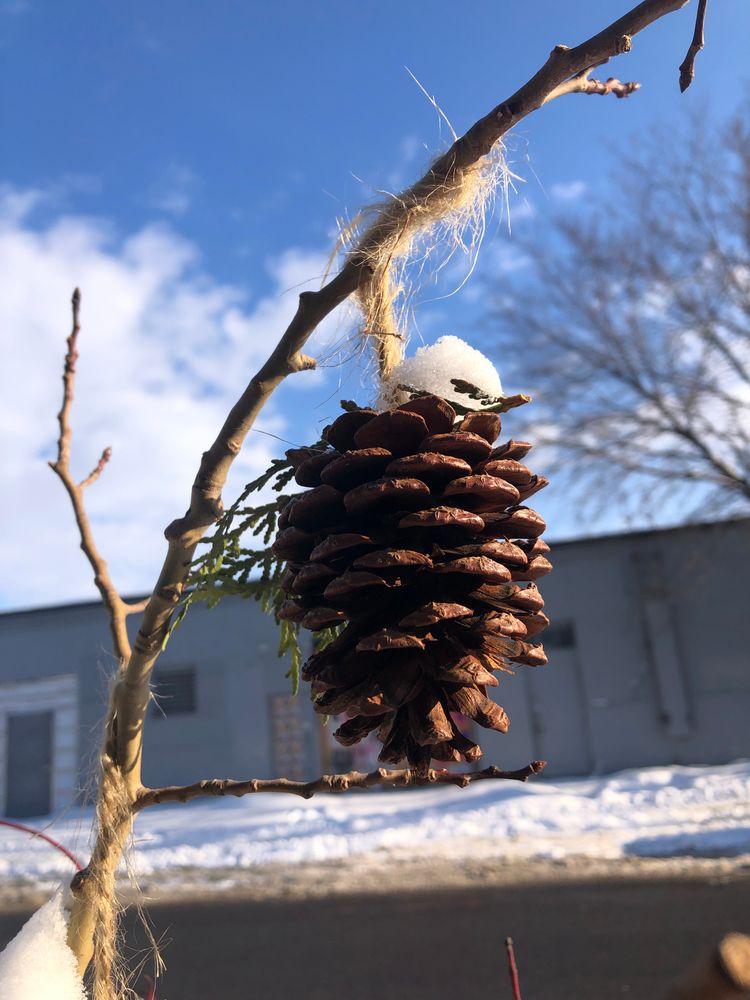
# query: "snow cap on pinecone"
(431, 369)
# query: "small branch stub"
(97, 470)
(687, 68)
(624, 45)
(611, 86)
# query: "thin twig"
(117, 609)
(687, 67)
(97, 470)
(583, 83)
(382, 778)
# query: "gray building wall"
(659, 671)
(231, 651)
(648, 664)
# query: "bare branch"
(583, 84)
(562, 64)
(136, 607)
(687, 67)
(611, 86)
(97, 470)
(116, 607)
(382, 778)
(69, 375)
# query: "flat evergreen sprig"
(229, 567)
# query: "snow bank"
(625, 814)
(660, 811)
(37, 964)
(433, 367)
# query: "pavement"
(575, 937)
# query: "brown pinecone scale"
(413, 534)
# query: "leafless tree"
(632, 317)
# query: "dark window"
(29, 764)
(559, 636)
(174, 692)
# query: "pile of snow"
(432, 368)
(660, 811)
(38, 964)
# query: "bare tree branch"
(687, 67)
(382, 778)
(117, 609)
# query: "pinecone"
(413, 537)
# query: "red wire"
(50, 840)
(151, 995)
(513, 969)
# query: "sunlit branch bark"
(328, 783)
(687, 68)
(117, 609)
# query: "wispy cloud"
(164, 351)
(175, 189)
(521, 208)
(568, 190)
(20, 203)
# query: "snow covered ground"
(654, 812)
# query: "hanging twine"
(443, 212)
(113, 827)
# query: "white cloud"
(568, 190)
(16, 205)
(520, 208)
(164, 351)
(506, 257)
(175, 189)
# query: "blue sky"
(185, 163)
